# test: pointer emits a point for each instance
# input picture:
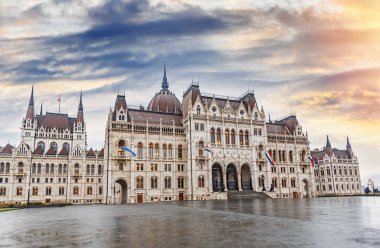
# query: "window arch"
(153, 182)
(241, 137)
(246, 138)
(218, 136)
(54, 145)
(283, 182)
(150, 150)
(170, 151)
(19, 191)
(168, 183)
(89, 190)
(92, 169)
(66, 147)
(120, 144)
(76, 190)
(3, 191)
(61, 190)
(303, 155)
(293, 182)
(274, 182)
(140, 150)
(139, 182)
(34, 169)
(179, 151)
(2, 167)
(198, 110)
(100, 190)
(35, 190)
(232, 136)
(20, 167)
(181, 182)
(100, 171)
(76, 169)
(39, 168)
(212, 134)
(164, 151)
(41, 145)
(8, 167)
(48, 190)
(201, 181)
(121, 116)
(227, 136)
(88, 169)
(291, 156)
(157, 150)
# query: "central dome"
(165, 101)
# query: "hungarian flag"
(311, 160)
(125, 148)
(269, 157)
(208, 149)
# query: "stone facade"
(336, 171)
(199, 148)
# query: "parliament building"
(203, 147)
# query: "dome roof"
(165, 101)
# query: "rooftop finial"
(31, 100)
(348, 146)
(80, 107)
(165, 83)
(41, 109)
(328, 144)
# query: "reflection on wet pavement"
(321, 222)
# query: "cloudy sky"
(320, 59)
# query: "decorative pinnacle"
(165, 83)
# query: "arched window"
(48, 191)
(2, 167)
(150, 150)
(274, 155)
(179, 151)
(279, 156)
(76, 169)
(60, 169)
(76, 190)
(317, 187)
(120, 144)
(293, 182)
(39, 168)
(35, 190)
(100, 190)
(212, 134)
(168, 183)
(324, 187)
(291, 156)
(19, 191)
(153, 182)
(66, 147)
(331, 188)
(227, 136)
(181, 182)
(256, 116)
(61, 190)
(100, 171)
(218, 136)
(201, 182)
(8, 167)
(88, 169)
(200, 148)
(54, 146)
(89, 190)
(139, 183)
(156, 150)
(52, 168)
(198, 110)
(303, 155)
(283, 182)
(241, 137)
(3, 191)
(140, 150)
(274, 182)
(41, 145)
(34, 169)
(283, 156)
(233, 137)
(246, 138)
(170, 151)
(164, 151)
(92, 169)
(121, 116)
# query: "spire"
(31, 100)
(80, 107)
(30, 111)
(328, 144)
(348, 146)
(80, 110)
(165, 83)
(41, 109)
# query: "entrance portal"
(180, 196)
(120, 192)
(217, 178)
(246, 180)
(231, 177)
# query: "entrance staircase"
(236, 195)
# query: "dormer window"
(121, 116)
(256, 116)
(198, 110)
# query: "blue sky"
(317, 58)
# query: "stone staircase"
(236, 195)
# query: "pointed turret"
(80, 118)
(165, 83)
(30, 111)
(41, 110)
(328, 146)
(348, 146)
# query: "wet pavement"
(321, 222)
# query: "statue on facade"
(263, 182)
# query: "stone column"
(239, 181)
(225, 180)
